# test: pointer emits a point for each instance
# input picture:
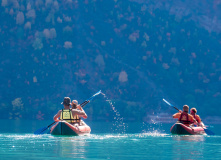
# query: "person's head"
(193, 110)
(74, 104)
(66, 101)
(186, 108)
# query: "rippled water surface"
(154, 144)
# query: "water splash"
(118, 126)
(152, 128)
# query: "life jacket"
(184, 118)
(66, 115)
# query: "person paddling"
(68, 114)
(75, 106)
(193, 112)
(184, 117)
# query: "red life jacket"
(184, 118)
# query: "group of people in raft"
(71, 113)
(188, 119)
(74, 113)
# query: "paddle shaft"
(84, 103)
(176, 108)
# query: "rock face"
(206, 14)
(137, 52)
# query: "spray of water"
(118, 126)
(153, 126)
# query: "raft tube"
(65, 128)
(181, 129)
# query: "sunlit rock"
(56, 5)
(67, 44)
(29, 6)
(67, 29)
(4, 3)
(35, 79)
(100, 60)
(53, 33)
(144, 44)
(123, 77)
(146, 37)
(166, 66)
(11, 12)
(48, 3)
(20, 18)
(27, 25)
(59, 20)
(31, 14)
(39, 3)
(15, 4)
(46, 33)
(37, 44)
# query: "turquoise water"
(153, 143)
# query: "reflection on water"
(70, 147)
(150, 145)
(141, 141)
(189, 138)
(191, 144)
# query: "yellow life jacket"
(66, 115)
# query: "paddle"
(90, 99)
(170, 104)
(208, 132)
(43, 129)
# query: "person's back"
(66, 114)
(184, 117)
(193, 112)
(77, 108)
(69, 114)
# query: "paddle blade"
(208, 132)
(94, 95)
(41, 130)
(167, 102)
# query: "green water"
(109, 146)
(153, 143)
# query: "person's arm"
(200, 123)
(80, 113)
(81, 109)
(192, 120)
(56, 117)
(177, 115)
(198, 119)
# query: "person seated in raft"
(184, 117)
(76, 106)
(193, 112)
(69, 114)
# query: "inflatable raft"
(181, 129)
(65, 128)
